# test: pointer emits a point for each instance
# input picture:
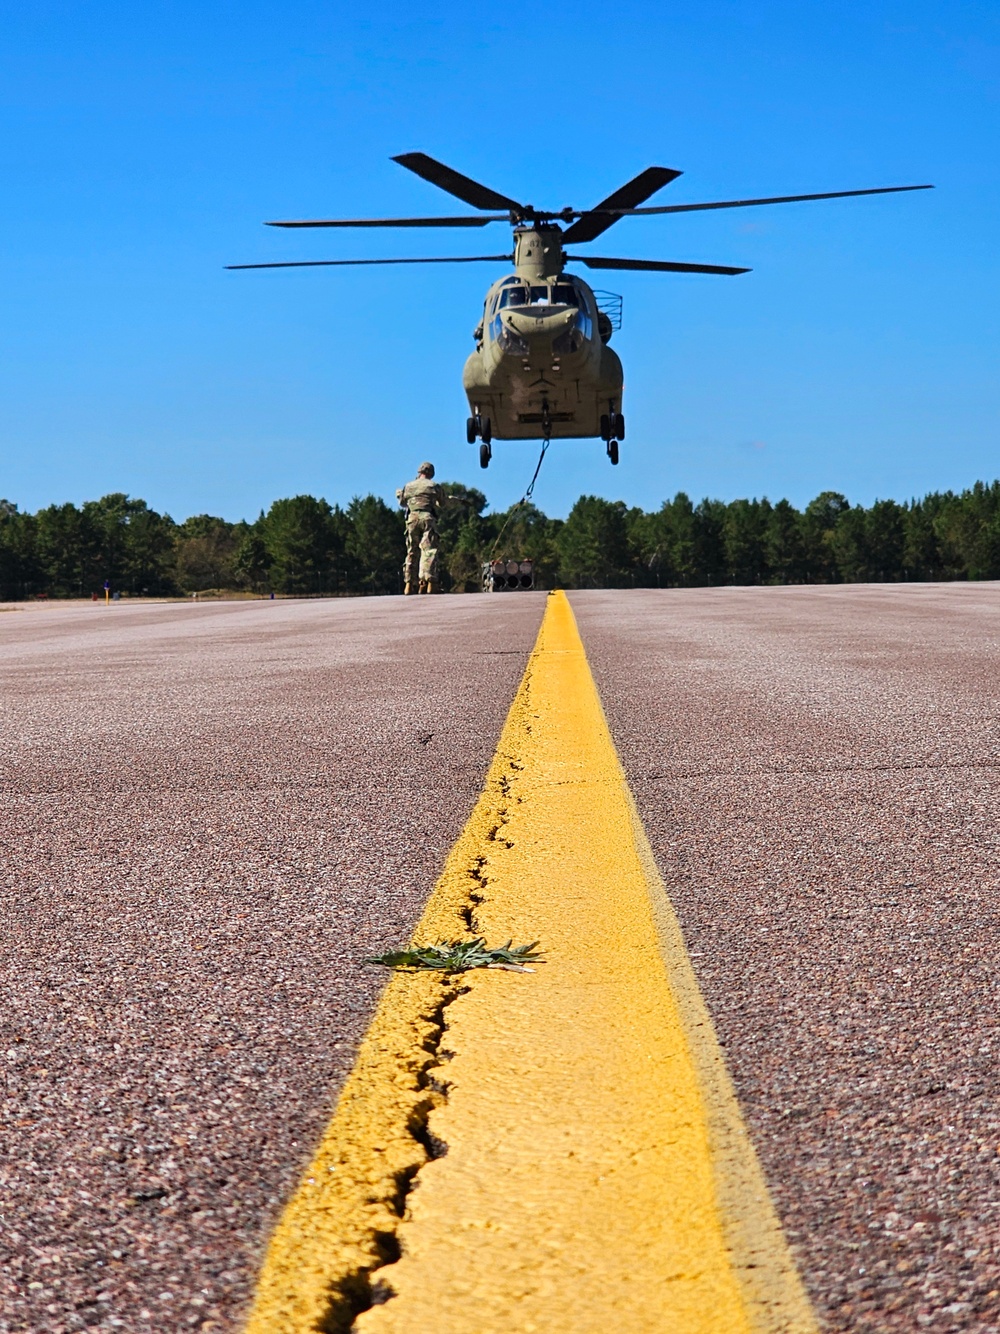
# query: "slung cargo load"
(508, 576)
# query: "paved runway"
(213, 812)
(818, 770)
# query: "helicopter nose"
(532, 324)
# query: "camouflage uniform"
(422, 498)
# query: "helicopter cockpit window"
(513, 296)
(518, 294)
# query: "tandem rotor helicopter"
(542, 367)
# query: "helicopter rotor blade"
(462, 187)
(777, 199)
(598, 219)
(338, 263)
(651, 265)
(470, 220)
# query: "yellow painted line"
(598, 1175)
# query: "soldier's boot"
(408, 588)
(433, 586)
(423, 585)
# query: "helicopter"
(542, 367)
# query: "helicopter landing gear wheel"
(613, 452)
(470, 430)
(485, 454)
(618, 426)
(605, 428)
(485, 430)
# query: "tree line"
(306, 546)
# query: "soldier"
(422, 498)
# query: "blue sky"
(142, 146)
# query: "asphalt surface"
(211, 814)
(817, 769)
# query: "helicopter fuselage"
(542, 366)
